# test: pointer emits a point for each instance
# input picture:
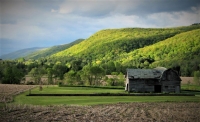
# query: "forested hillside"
(181, 50)
(116, 49)
(52, 50)
(111, 42)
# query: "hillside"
(21, 53)
(117, 49)
(112, 42)
(120, 40)
(52, 50)
(182, 49)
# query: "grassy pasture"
(94, 100)
(75, 90)
(190, 87)
(91, 100)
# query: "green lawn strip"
(94, 100)
(74, 90)
(88, 90)
(102, 87)
(191, 89)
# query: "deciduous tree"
(36, 74)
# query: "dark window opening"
(157, 88)
(127, 87)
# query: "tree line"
(13, 72)
(70, 73)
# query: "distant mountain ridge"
(38, 52)
(20, 53)
(52, 50)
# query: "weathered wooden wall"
(141, 85)
(170, 86)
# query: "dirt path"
(122, 112)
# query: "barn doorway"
(157, 88)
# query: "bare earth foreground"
(123, 112)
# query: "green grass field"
(74, 90)
(91, 100)
(190, 87)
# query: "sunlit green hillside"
(112, 42)
(182, 49)
(118, 49)
(115, 50)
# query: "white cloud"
(167, 19)
(96, 8)
(78, 6)
(53, 10)
(118, 21)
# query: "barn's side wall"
(171, 82)
(127, 84)
(141, 85)
(146, 85)
(171, 86)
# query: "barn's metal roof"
(161, 69)
(145, 73)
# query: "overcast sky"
(45, 23)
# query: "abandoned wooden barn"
(156, 80)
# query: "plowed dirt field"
(7, 91)
(120, 112)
